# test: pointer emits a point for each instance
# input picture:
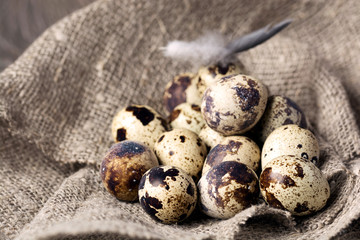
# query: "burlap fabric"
(58, 99)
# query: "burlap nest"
(58, 99)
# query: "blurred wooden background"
(22, 21)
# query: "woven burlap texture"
(58, 99)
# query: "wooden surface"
(22, 21)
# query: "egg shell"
(188, 116)
(182, 148)
(234, 104)
(279, 111)
(167, 194)
(290, 140)
(210, 137)
(138, 123)
(294, 184)
(209, 75)
(123, 166)
(226, 189)
(181, 89)
(235, 148)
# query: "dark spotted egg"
(294, 184)
(181, 148)
(279, 111)
(167, 194)
(234, 104)
(235, 148)
(123, 166)
(209, 75)
(181, 89)
(227, 189)
(139, 123)
(187, 116)
(290, 140)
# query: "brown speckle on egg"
(188, 151)
(279, 111)
(227, 188)
(144, 114)
(181, 89)
(235, 148)
(207, 76)
(295, 184)
(167, 194)
(290, 140)
(268, 177)
(234, 105)
(138, 123)
(121, 134)
(187, 116)
(123, 166)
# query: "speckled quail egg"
(181, 148)
(234, 104)
(187, 116)
(235, 148)
(227, 188)
(294, 184)
(123, 166)
(209, 75)
(210, 137)
(290, 140)
(279, 111)
(167, 194)
(139, 123)
(181, 89)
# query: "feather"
(255, 38)
(205, 50)
(213, 48)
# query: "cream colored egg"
(181, 148)
(235, 148)
(138, 123)
(188, 116)
(210, 137)
(279, 111)
(123, 166)
(290, 140)
(226, 189)
(234, 104)
(181, 89)
(209, 75)
(294, 184)
(167, 194)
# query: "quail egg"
(236, 148)
(123, 166)
(181, 89)
(234, 104)
(139, 123)
(167, 194)
(210, 137)
(290, 140)
(279, 111)
(227, 188)
(294, 184)
(211, 74)
(181, 148)
(188, 116)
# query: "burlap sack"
(58, 99)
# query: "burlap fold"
(58, 99)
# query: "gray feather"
(213, 48)
(255, 38)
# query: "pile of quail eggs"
(206, 153)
